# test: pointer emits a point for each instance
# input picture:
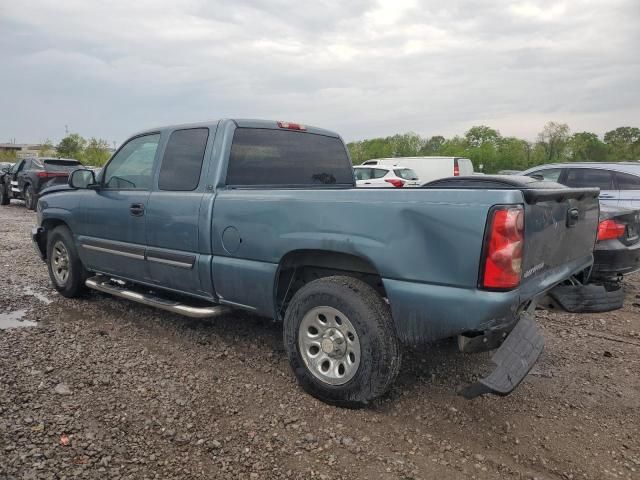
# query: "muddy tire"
(4, 195)
(341, 341)
(30, 197)
(65, 268)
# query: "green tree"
(586, 147)
(47, 149)
(623, 143)
(554, 138)
(481, 134)
(432, 146)
(96, 152)
(72, 146)
(513, 154)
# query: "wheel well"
(300, 267)
(47, 226)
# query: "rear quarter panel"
(413, 236)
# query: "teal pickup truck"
(264, 216)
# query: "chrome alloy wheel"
(329, 345)
(60, 263)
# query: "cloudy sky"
(363, 68)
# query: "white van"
(429, 168)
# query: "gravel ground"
(104, 388)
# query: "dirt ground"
(138, 393)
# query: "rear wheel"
(4, 195)
(65, 268)
(341, 341)
(30, 197)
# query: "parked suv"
(382, 176)
(619, 183)
(27, 177)
(428, 168)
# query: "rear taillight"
(292, 126)
(51, 174)
(610, 229)
(504, 242)
(456, 168)
(395, 182)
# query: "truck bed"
(433, 289)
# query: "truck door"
(177, 256)
(112, 231)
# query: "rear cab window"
(265, 157)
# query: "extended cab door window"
(182, 161)
(132, 166)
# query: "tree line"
(92, 151)
(486, 147)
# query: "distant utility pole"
(66, 130)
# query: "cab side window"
(627, 182)
(589, 177)
(132, 167)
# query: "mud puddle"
(15, 320)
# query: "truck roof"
(241, 123)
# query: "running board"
(104, 284)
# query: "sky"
(363, 68)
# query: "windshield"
(406, 173)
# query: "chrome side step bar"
(104, 284)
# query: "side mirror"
(82, 178)
(5, 170)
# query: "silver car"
(619, 183)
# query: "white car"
(384, 176)
(428, 168)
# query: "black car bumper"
(613, 258)
(39, 241)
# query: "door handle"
(606, 195)
(137, 209)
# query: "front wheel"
(341, 341)
(30, 198)
(65, 268)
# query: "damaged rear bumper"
(514, 359)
